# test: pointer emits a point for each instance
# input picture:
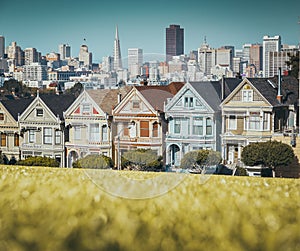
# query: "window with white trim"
(57, 137)
(198, 126)
(104, 133)
(209, 126)
(31, 136)
(177, 125)
(232, 122)
(77, 132)
(47, 135)
(254, 121)
(94, 132)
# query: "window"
(94, 132)
(144, 128)
(16, 139)
(77, 133)
(31, 136)
(47, 135)
(57, 137)
(86, 109)
(1, 116)
(247, 95)
(188, 102)
(155, 130)
(104, 133)
(39, 112)
(232, 123)
(198, 126)
(254, 121)
(208, 126)
(135, 104)
(3, 139)
(176, 125)
(266, 121)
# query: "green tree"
(293, 63)
(75, 90)
(142, 160)
(270, 154)
(38, 161)
(94, 161)
(199, 158)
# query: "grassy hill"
(70, 209)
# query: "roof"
(229, 85)
(208, 92)
(107, 99)
(16, 106)
(268, 87)
(57, 103)
(156, 95)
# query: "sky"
(44, 24)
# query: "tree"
(75, 90)
(293, 63)
(270, 154)
(199, 158)
(142, 160)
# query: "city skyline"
(143, 25)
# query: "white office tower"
(2, 46)
(85, 57)
(206, 58)
(35, 72)
(270, 44)
(64, 51)
(135, 61)
(224, 57)
(107, 64)
(15, 54)
(117, 52)
(31, 55)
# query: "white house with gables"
(194, 118)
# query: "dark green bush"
(38, 161)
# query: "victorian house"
(9, 129)
(42, 127)
(259, 109)
(140, 121)
(194, 118)
(89, 119)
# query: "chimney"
(279, 95)
(119, 97)
(223, 88)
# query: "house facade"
(255, 111)
(89, 119)
(42, 127)
(9, 129)
(139, 119)
(194, 121)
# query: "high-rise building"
(270, 44)
(2, 46)
(174, 41)
(35, 72)
(15, 53)
(117, 52)
(64, 51)
(107, 64)
(256, 56)
(206, 58)
(85, 57)
(31, 56)
(278, 60)
(135, 61)
(225, 57)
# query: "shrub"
(94, 161)
(38, 161)
(200, 158)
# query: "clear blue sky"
(44, 24)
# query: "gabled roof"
(268, 87)
(156, 95)
(107, 99)
(208, 92)
(229, 85)
(16, 106)
(57, 103)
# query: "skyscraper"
(2, 46)
(85, 56)
(117, 52)
(270, 44)
(174, 41)
(256, 56)
(135, 61)
(31, 56)
(64, 51)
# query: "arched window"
(155, 130)
(16, 139)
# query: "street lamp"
(130, 125)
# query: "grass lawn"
(53, 209)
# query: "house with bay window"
(194, 121)
(140, 120)
(89, 119)
(9, 129)
(42, 127)
(257, 110)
